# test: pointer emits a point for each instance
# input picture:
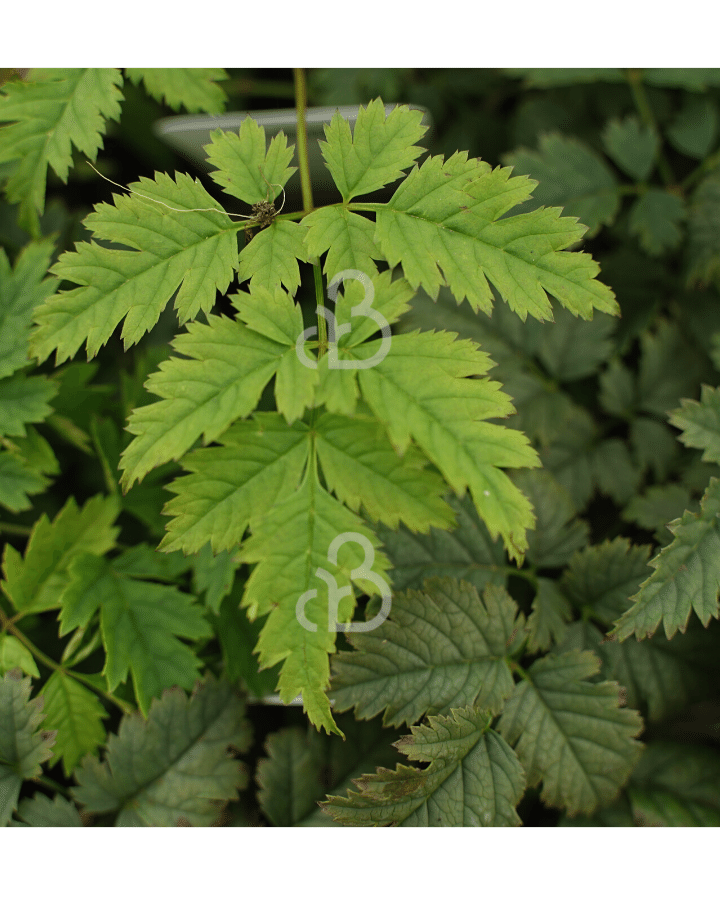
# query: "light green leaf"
(260, 461)
(547, 720)
(23, 747)
(24, 399)
(442, 647)
(76, 714)
(140, 622)
(655, 219)
(447, 215)
(474, 779)
(289, 544)
(695, 127)
(245, 170)
(58, 109)
(700, 423)
(361, 467)
(467, 553)
(570, 175)
(14, 655)
(193, 251)
(174, 767)
(228, 368)
(378, 151)
(22, 288)
(271, 257)
(36, 582)
(195, 89)
(686, 576)
(347, 236)
(631, 145)
(413, 392)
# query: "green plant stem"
(302, 141)
(642, 105)
(707, 165)
(9, 528)
(7, 625)
(320, 298)
(52, 785)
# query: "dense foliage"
(479, 392)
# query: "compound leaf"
(173, 766)
(571, 734)
(58, 109)
(442, 647)
(195, 252)
(686, 576)
(474, 779)
(195, 89)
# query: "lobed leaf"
(174, 765)
(686, 576)
(474, 779)
(570, 734)
(59, 109)
(195, 89)
(442, 647)
(192, 253)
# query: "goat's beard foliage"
(385, 439)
